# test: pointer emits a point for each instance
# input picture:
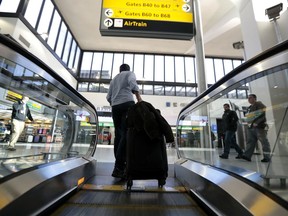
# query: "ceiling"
(220, 21)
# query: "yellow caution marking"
(80, 181)
(134, 188)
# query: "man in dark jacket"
(19, 113)
(230, 121)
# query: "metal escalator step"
(132, 199)
(94, 202)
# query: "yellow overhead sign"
(148, 18)
(157, 10)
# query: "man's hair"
(226, 104)
(124, 67)
(252, 95)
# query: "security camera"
(274, 12)
(238, 45)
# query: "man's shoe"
(117, 173)
(239, 156)
(223, 156)
(265, 160)
(11, 149)
(246, 158)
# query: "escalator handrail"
(253, 61)
(22, 51)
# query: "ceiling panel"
(221, 28)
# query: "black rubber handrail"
(253, 61)
(12, 44)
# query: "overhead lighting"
(44, 35)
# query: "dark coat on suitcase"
(146, 146)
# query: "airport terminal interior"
(190, 57)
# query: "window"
(53, 33)
(86, 65)
(9, 6)
(61, 39)
(169, 69)
(128, 59)
(67, 48)
(96, 65)
(138, 66)
(159, 68)
(107, 65)
(148, 89)
(189, 70)
(236, 63)
(118, 60)
(159, 90)
(76, 62)
(45, 17)
(32, 11)
(179, 69)
(148, 67)
(72, 55)
(219, 68)
(228, 66)
(83, 87)
(210, 76)
(156, 74)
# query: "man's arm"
(29, 114)
(138, 96)
(109, 94)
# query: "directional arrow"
(186, 7)
(108, 22)
(109, 12)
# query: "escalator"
(65, 178)
(105, 195)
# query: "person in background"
(230, 121)
(109, 136)
(120, 96)
(256, 119)
(19, 113)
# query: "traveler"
(120, 96)
(230, 121)
(19, 113)
(257, 129)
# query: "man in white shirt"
(120, 96)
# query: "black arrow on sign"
(108, 12)
(108, 22)
(186, 7)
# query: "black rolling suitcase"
(146, 146)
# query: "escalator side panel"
(48, 192)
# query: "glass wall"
(200, 134)
(63, 124)
(156, 74)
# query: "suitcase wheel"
(129, 184)
(161, 182)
